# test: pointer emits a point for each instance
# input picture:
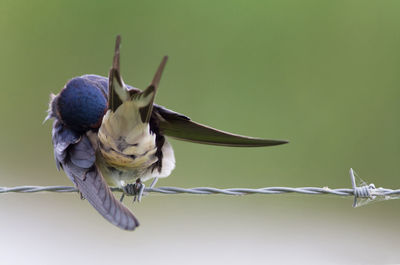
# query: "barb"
(365, 191)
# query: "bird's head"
(81, 105)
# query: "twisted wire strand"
(365, 191)
(211, 190)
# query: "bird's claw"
(136, 189)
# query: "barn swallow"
(108, 133)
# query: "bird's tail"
(118, 92)
(145, 99)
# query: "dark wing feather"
(183, 128)
(77, 157)
(62, 139)
(94, 188)
(82, 153)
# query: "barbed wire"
(365, 191)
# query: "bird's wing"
(77, 157)
(182, 127)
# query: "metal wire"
(210, 190)
(365, 191)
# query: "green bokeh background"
(322, 74)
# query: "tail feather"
(117, 91)
(145, 99)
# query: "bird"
(106, 133)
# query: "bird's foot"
(136, 189)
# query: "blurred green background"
(322, 74)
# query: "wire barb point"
(365, 191)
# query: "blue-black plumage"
(82, 103)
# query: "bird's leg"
(135, 190)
